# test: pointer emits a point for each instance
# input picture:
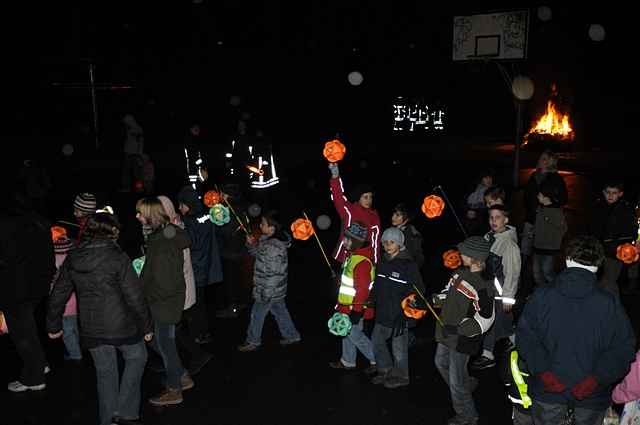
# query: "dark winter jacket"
(271, 268)
(395, 278)
(551, 183)
(614, 225)
(111, 301)
(205, 255)
(413, 243)
(163, 275)
(27, 261)
(574, 329)
(467, 312)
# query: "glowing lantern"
(138, 264)
(334, 150)
(627, 253)
(339, 324)
(212, 198)
(410, 311)
(452, 259)
(432, 206)
(219, 214)
(255, 170)
(58, 232)
(302, 229)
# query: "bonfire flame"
(553, 123)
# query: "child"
(476, 210)
(83, 206)
(550, 228)
(70, 337)
(113, 314)
(350, 212)
(495, 195)
(506, 252)
(467, 313)
(164, 289)
(613, 223)
(270, 274)
(412, 238)
(397, 274)
(628, 391)
(358, 274)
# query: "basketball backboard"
(496, 36)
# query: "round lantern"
(219, 214)
(138, 264)
(452, 259)
(212, 198)
(334, 150)
(432, 206)
(355, 78)
(323, 222)
(302, 229)
(67, 149)
(597, 32)
(254, 210)
(544, 13)
(58, 232)
(522, 87)
(339, 324)
(409, 311)
(627, 253)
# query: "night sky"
(289, 62)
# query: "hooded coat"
(271, 268)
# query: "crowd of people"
(568, 341)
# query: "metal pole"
(93, 104)
(516, 158)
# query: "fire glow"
(553, 123)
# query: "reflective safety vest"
(518, 379)
(347, 291)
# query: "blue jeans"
(543, 272)
(554, 414)
(399, 365)
(164, 343)
(279, 310)
(119, 398)
(356, 340)
(452, 365)
(71, 338)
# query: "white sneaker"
(19, 387)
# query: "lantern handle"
(446, 198)
(333, 274)
(234, 213)
(428, 305)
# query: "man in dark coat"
(576, 339)
(27, 265)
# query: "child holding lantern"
(270, 275)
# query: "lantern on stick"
(409, 309)
(339, 324)
(334, 150)
(302, 229)
(211, 198)
(58, 232)
(452, 259)
(627, 253)
(432, 206)
(219, 214)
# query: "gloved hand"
(584, 388)
(355, 317)
(551, 383)
(335, 171)
(418, 303)
(449, 330)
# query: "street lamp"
(522, 88)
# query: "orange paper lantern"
(627, 253)
(432, 206)
(452, 259)
(334, 150)
(302, 229)
(211, 198)
(414, 313)
(58, 232)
